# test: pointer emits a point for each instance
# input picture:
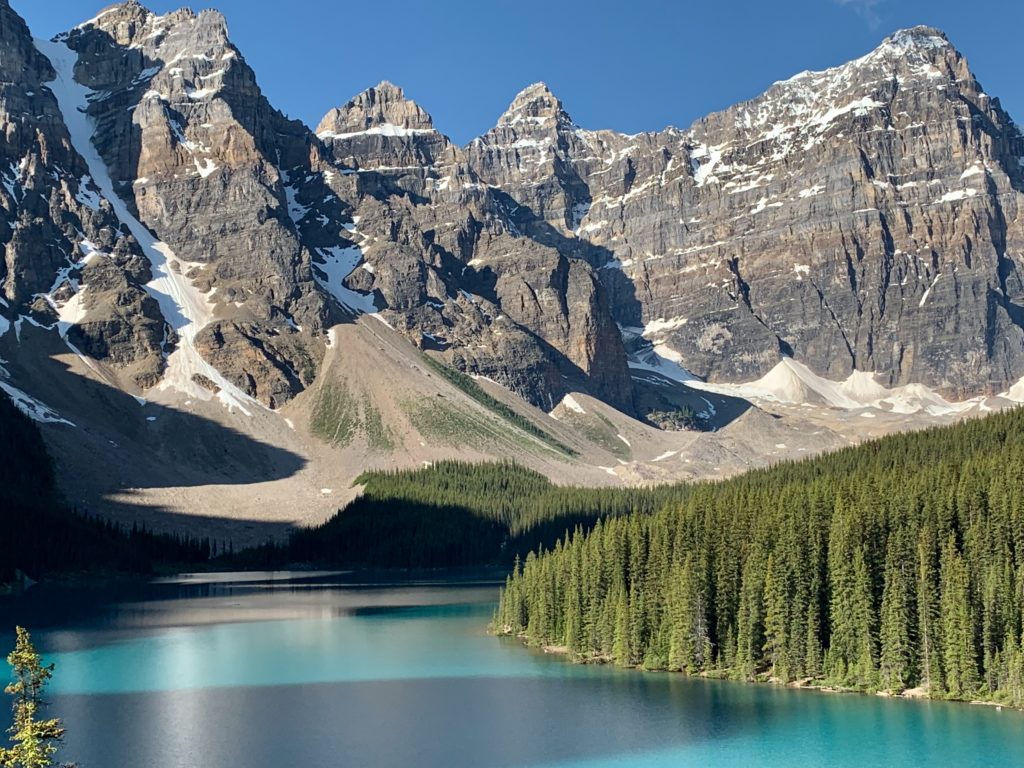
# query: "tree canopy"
(894, 565)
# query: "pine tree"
(957, 625)
(35, 741)
(621, 652)
(750, 618)
(850, 657)
(876, 565)
(929, 627)
(776, 605)
(897, 658)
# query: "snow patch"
(330, 274)
(973, 170)
(34, 409)
(385, 129)
(572, 404)
(958, 194)
(661, 358)
(703, 161)
(87, 196)
(661, 324)
(206, 167)
(928, 290)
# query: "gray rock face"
(65, 256)
(206, 164)
(260, 213)
(453, 267)
(866, 217)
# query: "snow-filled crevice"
(183, 306)
(331, 270)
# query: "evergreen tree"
(34, 741)
(897, 659)
(879, 565)
(957, 625)
(776, 607)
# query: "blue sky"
(630, 65)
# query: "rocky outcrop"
(259, 216)
(206, 164)
(864, 217)
(67, 262)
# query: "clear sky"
(630, 65)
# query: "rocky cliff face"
(201, 159)
(866, 217)
(880, 229)
(163, 218)
(445, 252)
(250, 249)
(68, 265)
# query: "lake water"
(320, 671)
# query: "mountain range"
(220, 314)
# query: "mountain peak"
(535, 103)
(540, 89)
(131, 23)
(918, 53)
(920, 36)
(385, 104)
(130, 10)
(908, 48)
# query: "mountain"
(233, 314)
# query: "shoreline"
(910, 694)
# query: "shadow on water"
(101, 614)
(452, 722)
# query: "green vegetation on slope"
(598, 429)
(468, 386)
(338, 416)
(335, 417)
(898, 564)
(439, 419)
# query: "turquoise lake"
(322, 671)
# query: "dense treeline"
(40, 535)
(455, 513)
(895, 565)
